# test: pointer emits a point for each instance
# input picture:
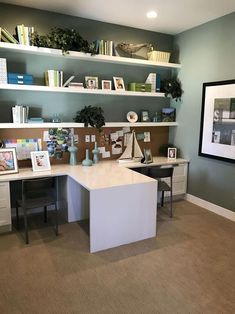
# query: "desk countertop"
(105, 174)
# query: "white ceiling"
(174, 16)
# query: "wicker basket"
(160, 56)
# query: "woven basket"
(160, 56)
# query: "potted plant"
(173, 88)
(92, 116)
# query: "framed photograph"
(91, 82)
(148, 158)
(118, 83)
(145, 116)
(217, 132)
(8, 161)
(40, 161)
(171, 153)
(106, 84)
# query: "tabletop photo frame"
(40, 161)
(91, 82)
(171, 153)
(8, 161)
(118, 83)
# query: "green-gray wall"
(45, 104)
(207, 54)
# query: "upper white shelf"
(81, 125)
(85, 56)
(38, 88)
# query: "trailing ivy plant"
(91, 116)
(64, 39)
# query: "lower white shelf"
(81, 125)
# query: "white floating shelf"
(139, 124)
(46, 125)
(38, 88)
(85, 56)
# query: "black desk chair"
(159, 174)
(37, 193)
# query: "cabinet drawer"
(4, 194)
(180, 170)
(5, 216)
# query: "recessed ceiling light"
(151, 14)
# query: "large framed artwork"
(217, 134)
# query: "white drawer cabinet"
(179, 179)
(5, 207)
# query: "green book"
(8, 36)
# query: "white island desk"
(120, 203)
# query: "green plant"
(91, 115)
(173, 88)
(65, 39)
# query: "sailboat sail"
(132, 152)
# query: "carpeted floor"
(188, 268)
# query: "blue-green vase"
(87, 162)
(95, 152)
(73, 153)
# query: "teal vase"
(95, 152)
(73, 153)
(87, 162)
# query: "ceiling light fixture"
(151, 14)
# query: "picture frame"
(144, 116)
(148, 158)
(40, 161)
(91, 82)
(105, 84)
(172, 153)
(217, 129)
(119, 83)
(8, 161)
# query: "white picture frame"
(40, 161)
(106, 84)
(171, 153)
(8, 161)
(119, 83)
(91, 82)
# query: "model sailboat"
(132, 153)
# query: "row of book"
(20, 114)
(105, 47)
(54, 78)
(155, 80)
(23, 35)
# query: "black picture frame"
(217, 129)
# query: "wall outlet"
(87, 138)
(93, 138)
(146, 136)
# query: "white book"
(3, 71)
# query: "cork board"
(158, 137)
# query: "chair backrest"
(160, 172)
(33, 188)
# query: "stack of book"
(76, 85)
(24, 34)
(35, 120)
(3, 71)
(20, 79)
(54, 78)
(20, 114)
(104, 47)
(7, 36)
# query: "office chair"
(36, 193)
(159, 174)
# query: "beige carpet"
(188, 268)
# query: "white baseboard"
(211, 207)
